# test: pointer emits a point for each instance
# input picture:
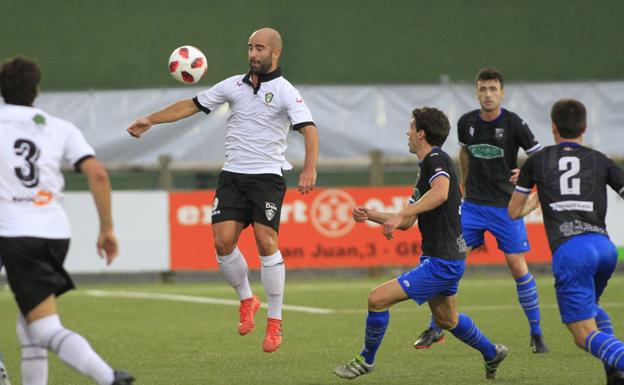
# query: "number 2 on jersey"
(569, 185)
(28, 174)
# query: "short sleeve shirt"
(441, 227)
(571, 183)
(493, 152)
(33, 147)
(258, 122)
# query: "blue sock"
(604, 322)
(432, 325)
(376, 325)
(604, 325)
(607, 348)
(527, 295)
(467, 332)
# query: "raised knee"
(376, 301)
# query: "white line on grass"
(470, 308)
(194, 299)
(306, 309)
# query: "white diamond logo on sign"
(330, 213)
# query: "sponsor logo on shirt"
(486, 151)
(573, 206)
(40, 198)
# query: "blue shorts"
(582, 265)
(510, 234)
(433, 276)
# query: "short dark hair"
(434, 123)
(570, 117)
(489, 73)
(19, 78)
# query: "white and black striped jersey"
(571, 183)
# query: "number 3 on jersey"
(569, 185)
(28, 174)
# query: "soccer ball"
(187, 64)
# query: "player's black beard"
(265, 65)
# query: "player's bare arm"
(99, 185)
(463, 167)
(178, 110)
(515, 173)
(362, 214)
(307, 179)
(522, 204)
(437, 195)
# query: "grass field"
(185, 336)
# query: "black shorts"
(249, 198)
(34, 269)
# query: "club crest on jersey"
(270, 211)
(39, 120)
(498, 133)
(486, 151)
(471, 131)
(267, 98)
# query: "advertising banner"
(317, 231)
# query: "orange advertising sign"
(317, 231)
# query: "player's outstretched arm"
(437, 195)
(99, 185)
(307, 179)
(179, 110)
(362, 214)
(522, 204)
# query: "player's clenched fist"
(138, 127)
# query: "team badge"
(471, 131)
(498, 133)
(215, 203)
(270, 211)
(267, 98)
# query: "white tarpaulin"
(352, 120)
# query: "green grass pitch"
(173, 342)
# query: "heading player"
(435, 202)
(571, 183)
(490, 138)
(251, 188)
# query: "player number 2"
(29, 173)
(569, 185)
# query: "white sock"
(234, 268)
(273, 275)
(71, 348)
(34, 358)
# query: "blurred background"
(362, 66)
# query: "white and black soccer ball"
(187, 64)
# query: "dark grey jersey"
(441, 227)
(493, 151)
(571, 183)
